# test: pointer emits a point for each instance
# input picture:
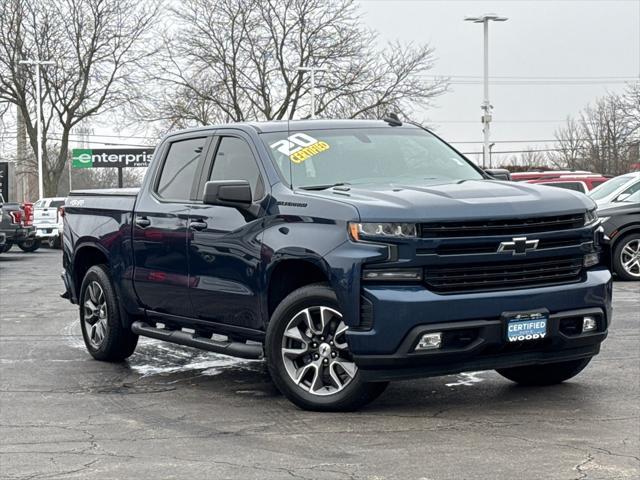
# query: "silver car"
(616, 189)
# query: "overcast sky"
(580, 39)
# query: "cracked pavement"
(175, 412)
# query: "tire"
(309, 353)
(6, 247)
(549, 374)
(56, 243)
(104, 336)
(627, 249)
(29, 245)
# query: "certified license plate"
(525, 327)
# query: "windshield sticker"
(299, 147)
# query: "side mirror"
(227, 193)
(622, 197)
(498, 173)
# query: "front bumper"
(401, 315)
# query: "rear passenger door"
(224, 242)
(160, 227)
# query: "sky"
(568, 53)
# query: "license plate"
(525, 327)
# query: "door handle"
(198, 225)
(143, 222)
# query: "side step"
(235, 349)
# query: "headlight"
(358, 231)
(590, 218)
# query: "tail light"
(16, 217)
(28, 213)
(60, 213)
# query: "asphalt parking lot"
(174, 412)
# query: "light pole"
(38, 63)
(486, 105)
(313, 71)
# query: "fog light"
(591, 259)
(430, 341)
(589, 324)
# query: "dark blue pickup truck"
(347, 253)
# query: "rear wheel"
(30, 244)
(308, 355)
(104, 336)
(626, 257)
(549, 374)
(6, 247)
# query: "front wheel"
(626, 257)
(29, 245)
(549, 374)
(309, 357)
(104, 335)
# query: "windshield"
(322, 158)
(608, 187)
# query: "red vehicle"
(546, 175)
(579, 183)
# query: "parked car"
(545, 174)
(616, 189)
(47, 218)
(621, 222)
(12, 224)
(348, 253)
(3, 241)
(577, 183)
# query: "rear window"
(576, 186)
(180, 168)
(56, 203)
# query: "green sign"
(111, 157)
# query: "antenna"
(392, 119)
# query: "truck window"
(234, 161)
(179, 169)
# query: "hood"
(463, 200)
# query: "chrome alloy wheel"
(630, 258)
(315, 351)
(95, 314)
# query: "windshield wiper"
(324, 187)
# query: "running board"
(235, 349)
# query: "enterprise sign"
(111, 157)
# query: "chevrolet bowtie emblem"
(518, 246)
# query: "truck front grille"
(510, 226)
(504, 275)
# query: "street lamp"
(486, 105)
(312, 70)
(38, 63)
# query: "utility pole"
(38, 63)
(313, 71)
(486, 105)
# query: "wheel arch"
(288, 274)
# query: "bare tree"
(608, 136)
(97, 46)
(570, 146)
(237, 60)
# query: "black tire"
(549, 374)
(6, 247)
(628, 241)
(118, 342)
(30, 244)
(56, 243)
(354, 395)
